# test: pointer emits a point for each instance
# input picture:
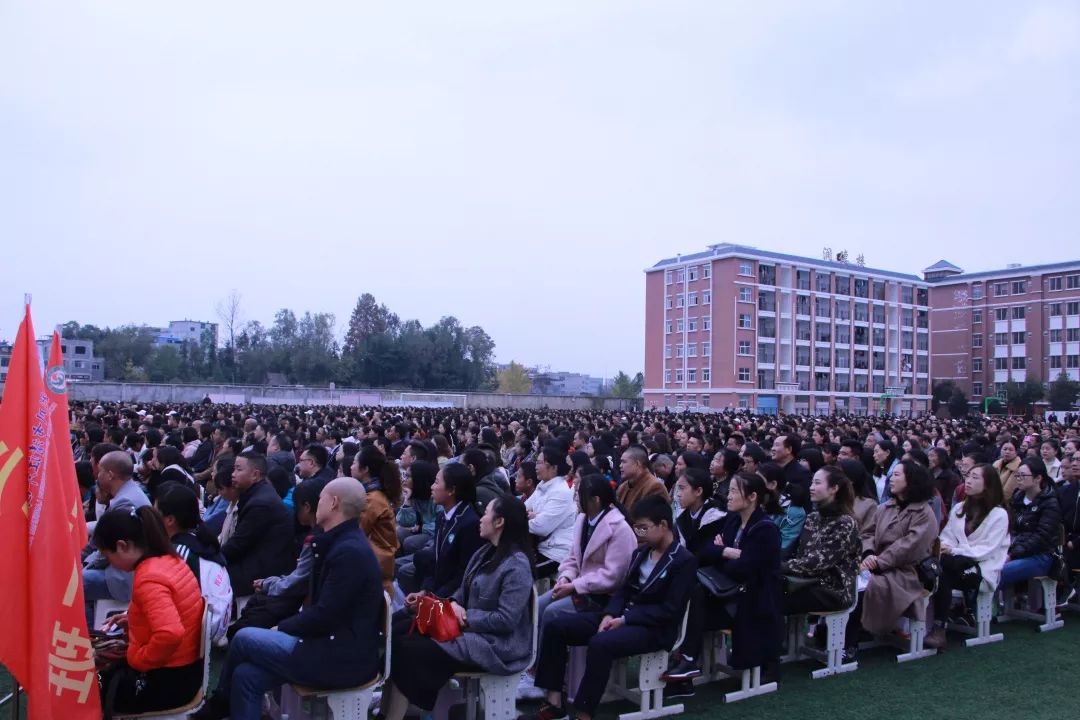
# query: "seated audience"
(1036, 523)
(162, 667)
(334, 641)
(496, 637)
(440, 566)
(418, 514)
(552, 511)
(638, 482)
(382, 481)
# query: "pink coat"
(607, 556)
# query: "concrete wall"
(263, 395)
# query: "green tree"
(1023, 394)
(514, 380)
(941, 393)
(164, 364)
(368, 318)
(1063, 392)
(623, 386)
(958, 403)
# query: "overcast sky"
(515, 164)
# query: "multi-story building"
(192, 331)
(79, 360)
(1017, 323)
(735, 326)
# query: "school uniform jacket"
(660, 602)
(456, 541)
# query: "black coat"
(1036, 528)
(262, 543)
(659, 603)
(1067, 496)
(442, 563)
(339, 629)
(758, 629)
(796, 474)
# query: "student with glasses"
(1036, 523)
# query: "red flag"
(46, 645)
(56, 385)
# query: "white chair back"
(386, 626)
(534, 604)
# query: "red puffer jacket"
(165, 615)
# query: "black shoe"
(547, 711)
(674, 659)
(965, 619)
(216, 707)
(1065, 594)
(849, 655)
(684, 670)
(679, 689)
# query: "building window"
(680, 275)
(691, 350)
(1055, 335)
(679, 325)
(744, 347)
(1072, 361)
(1055, 362)
(1018, 338)
(668, 277)
(1072, 282)
(976, 316)
(1001, 289)
(1001, 363)
(976, 364)
(744, 374)
(823, 282)
(1001, 338)
(1072, 335)
(667, 351)
(976, 389)
(1001, 313)
(678, 375)
(744, 321)
(670, 326)
(692, 273)
(691, 375)
(706, 324)
(1055, 309)
(706, 271)
(706, 376)
(667, 376)
(746, 269)
(667, 302)
(691, 325)
(1019, 363)
(80, 349)
(745, 295)
(679, 350)
(706, 349)
(977, 291)
(1055, 283)
(680, 300)
(693, 299)
(1072, 308)
(1019, 287)
(706, 297)
(1018, 312)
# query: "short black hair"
(654, 509)
(318, 453)
(256, 460)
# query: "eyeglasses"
(642, 530)
(1024, 475)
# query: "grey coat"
(494, 636)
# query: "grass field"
(1026, 676)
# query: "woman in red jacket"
(162, 669)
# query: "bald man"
(118, 491)
(334, 642)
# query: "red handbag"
(436, 619)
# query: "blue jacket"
(660, 602)
(339, 629)
(442, 564)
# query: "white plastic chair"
(353, 703)
(649, 693)
(714, 666)
(1049, 618)
(984, 605)
(835, 631)
(181, 713)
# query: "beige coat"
(1008, 475)
(864, 515)
(903, 537)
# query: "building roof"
(1008, 272)
(731, 249)
(941, 265)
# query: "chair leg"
(751, 686)
(984, 603)
(916, 649)
(1051, 619)
(836, 628)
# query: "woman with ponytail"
(382, 481)
(198, 547)
(162, 669)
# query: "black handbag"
(718, 584)
(929, 570)
(965, 570)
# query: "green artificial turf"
(1026, 676)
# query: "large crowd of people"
(635, 521)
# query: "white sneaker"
(527, 690)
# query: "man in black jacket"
(331, 643)
(261, 545)
(643, 616)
